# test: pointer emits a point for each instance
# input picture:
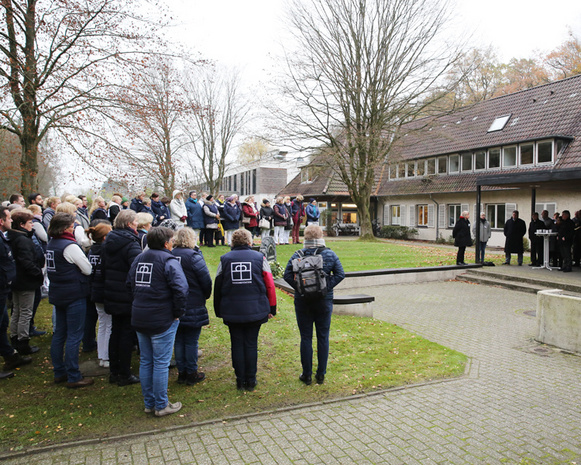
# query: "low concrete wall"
(559, 320)
(363, 309)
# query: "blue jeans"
(319, 314)
(155, 358)
(186, 349)
(244, 341)
(481, 252)
(68, 331)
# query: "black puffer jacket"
(29, 260)
(461, 233)
(117, 255)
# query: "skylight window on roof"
(499, 123)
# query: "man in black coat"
(514, 231)
(536, 241)
(565, 234)
(461, 235)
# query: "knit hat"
(311, 200)
(265, 201)
(209, 197)
(124, 199)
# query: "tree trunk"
(363, 200)
(29, 164)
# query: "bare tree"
(360, 69)
(219, 119)
(56, 58)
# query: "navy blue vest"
(152, 309)
(214, 209)
(97, 285)
(7, 265)
(67, 283)
(244, 298)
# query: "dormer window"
(499, 123)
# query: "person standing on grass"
(68, 269)
(11, 357)
(196, 316)
(245, 298)
(461, 235)
(316, 312)
(160, 290)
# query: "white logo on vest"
(241, 272)
(143, 274)
(50, 265)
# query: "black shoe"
(460, 264)
(320, 379)
(240, 384)
(127, 380)
(506, 263)
(306, 379)
(15, 360)
(566, 270)
(36, 332)
(195, 377)
(250, 385)
(113, 378)
(83, 382)
(60, 379)
(6, 374)
(182, 378)
(25, 348)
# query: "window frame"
(533, 155)
(488, 167)
(392, 217)
(441, 160)
(464, 156)
(457, 158)
(547, 141)
(424, 216)
(493, 219)
(453, 217)
(483, 153)
(516, 156)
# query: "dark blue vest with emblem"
(152, 309)
(7, 265)
(67, 283)
(244, 298)
(214, 209)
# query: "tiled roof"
(541, 112)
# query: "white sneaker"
(104, 363)
(169, 409)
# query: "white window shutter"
(402, 215)
(441, 216)
(431, 215)
(509, 208)
(386, 212)
(412, 222)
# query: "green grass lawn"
(365, 355)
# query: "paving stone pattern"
(514, 406)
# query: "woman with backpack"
(314, 309)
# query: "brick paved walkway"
(515, 406)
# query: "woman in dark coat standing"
(29, 258)
(231, 220)
(117, 255)
(196, 316)
(461, 235)
(245, 298)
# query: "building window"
(466, 162)
(496, 214)
(480, 160)
(526, 154)
(454, 163)
(422, 215)
(392, 172)
(493, 158)
(395, 215)
(401, 170)
(410, 170)
(432, 166)
(545, 152)
(442, 165)
(508, 157)
(306, 175)
(550, 207)
(454, 213)
(253, 181)
(499, 123)
(421, 168)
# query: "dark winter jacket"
(267, 213)
(96, 279)
(67, 283)
(566, 232)
(231, 218)
(99, 214)
(514, 230)
(195, 214)
(244, 289)
(159, 288)
(7, 265)
(200, 287)
(461, 233)
(137, 205)
(331, 266)
(280, 214)
(29, 260)
(117, 255)
(210, 211)
(297, 211)
(160, 210)
(534, 226)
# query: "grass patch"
(365, 355)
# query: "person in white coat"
(178, 210)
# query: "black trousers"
(121, 345)
(460, 254)
(244, 341)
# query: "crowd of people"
(133, 270)
(564, 240)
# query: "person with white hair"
(461, 235)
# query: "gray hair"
(124, 218)
(241, 237)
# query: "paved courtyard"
(518, 404)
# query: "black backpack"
(310, 279)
